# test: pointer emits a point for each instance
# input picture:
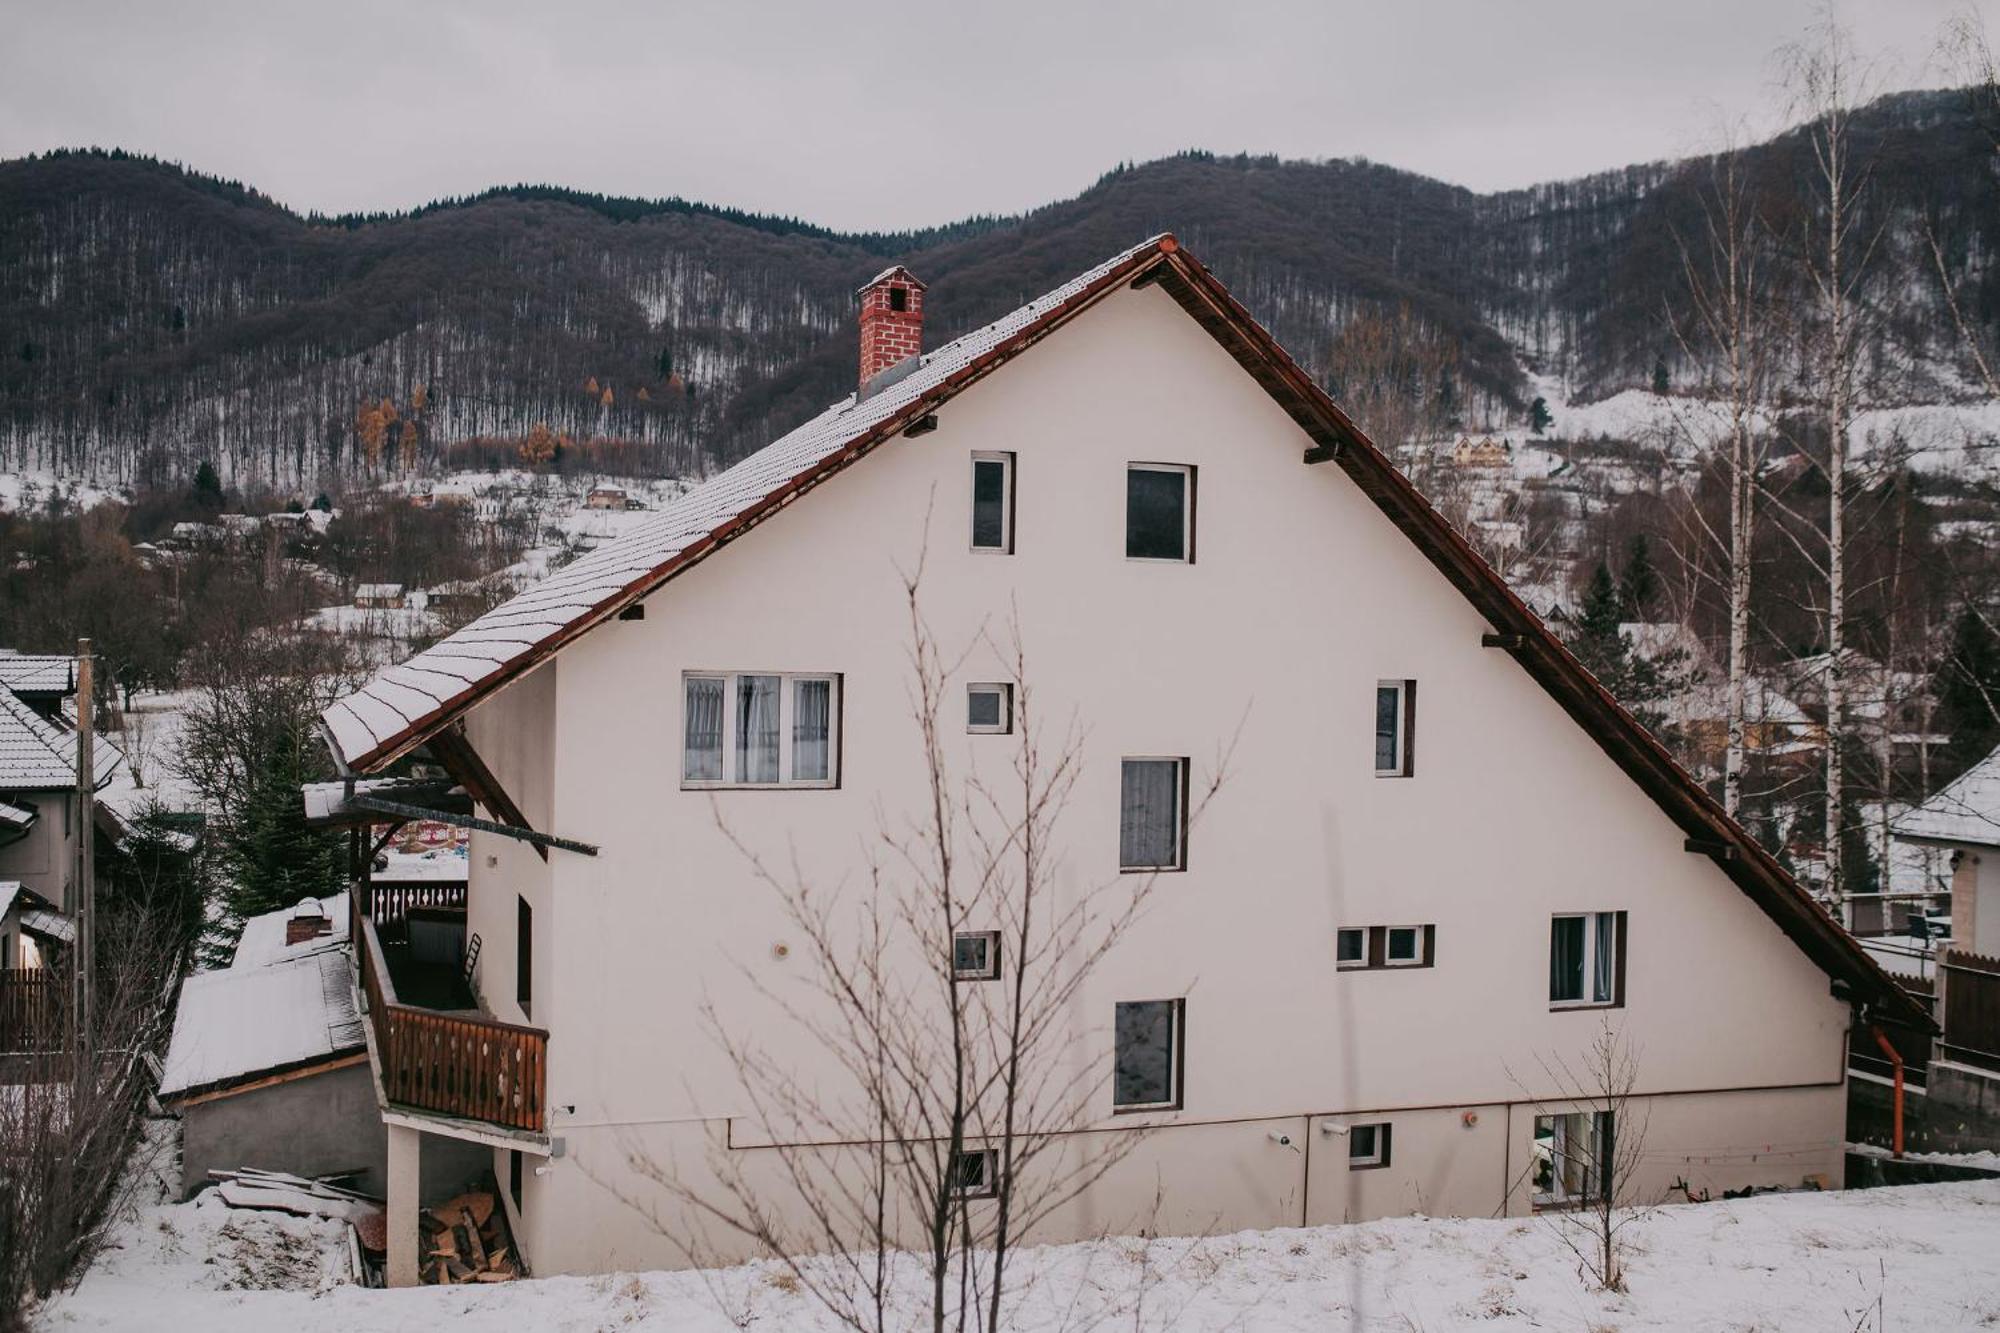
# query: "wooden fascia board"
(454, 750)
(419, 730)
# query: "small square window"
(1350, 948)
(1367, 1145)
(1395, 716)
(989, 709)
(975, 1173)
(1404, 946)
(993, 503)
(975, 955)
(1159, 512)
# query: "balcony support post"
(405, 1178)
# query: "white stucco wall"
(44, 860)
(1302, 597)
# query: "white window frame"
(1593, 1173)
(1401, 767)
(1005, 690)
(1350, 964)
(1389, 958)
(1176, 1049)
(1186, 471)
(787, 710)
(991, 971)
(989, 1172)
(1006, 461)
(1179, 860)
(1589, 1000)
(1380, 1156)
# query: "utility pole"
(86, 870)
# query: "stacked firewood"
(466, 1240)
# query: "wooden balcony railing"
(34, 1008)
(451, 1063)
(390, 904)
(1971, 993)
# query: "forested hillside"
(152, 318)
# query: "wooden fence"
(1971, 993)
(33, 1006)
(453, 1064)
(389, 904)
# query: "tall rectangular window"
(1150, 816)
(1584, 959)
(701, 750)
(524, 953)
(1569, 1157)
(1146, 1073)
(1159, 512)
(1395, 717)
(761, 729)
(993, 502)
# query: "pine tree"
(207, 492)
(1967, 686)
(1662, 382)
(1639, 587)
(1597, 640)
(1539, 419)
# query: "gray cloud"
(890, 115)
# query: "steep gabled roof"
(403, 705)
(35, 754)
(1966, 811)
(29, 673)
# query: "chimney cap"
(894, 271)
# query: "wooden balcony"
(1970, 988)
(34, 1009)
(439, 1057)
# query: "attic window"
(899, 298)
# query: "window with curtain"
(1149, 815)
(1146, 1063)
(761, 729)
(1569, 1157)
(1583, 959)
(1159, 510)
(1394, 701)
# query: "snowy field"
(1919, 1257)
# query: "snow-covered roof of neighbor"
(35, 754)
(433, 867)
(1966, 811)
(246, 1022)
(47, 921)
(393, 709)
(17, 816)
(378, 590)
(263, 940)
(36, 673)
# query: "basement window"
(760, 730)
(1367, 1146)
(975, 1173)
(1569, 1156)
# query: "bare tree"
(1395, 375)
(1590, 1142)
(1827, 80)
(1726, 271)
(947, 995)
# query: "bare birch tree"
(1729, 329)
(971, 1118)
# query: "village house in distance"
(1444, 857)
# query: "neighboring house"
(32, 929)
(1964, 820)
(379, 596)
(1443, 858)
(40, 680)
(606, 497)
(1484, 452)
(38, 804)
(268, 1069)
(1775, 729)
(33, 934)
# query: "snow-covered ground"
(1917, 1257)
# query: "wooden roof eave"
(1544, 656)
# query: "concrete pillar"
(405, 1175)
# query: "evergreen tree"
(322, 503)
(1967, 687)
(1539, 419)
(207, 493)
(1661, 381)
(1597, 641)
(1639, 586)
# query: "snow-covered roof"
(1966, 811)
(246, 1022)
(35, 754)
(17, 816)
(443, 866)
(263, 940)
(36, 673)
(378, 590)
(398, 706)
(49, 922)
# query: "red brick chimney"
(307, 921)
(892, 321)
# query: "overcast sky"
(881, 115)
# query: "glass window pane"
(1156, 514)
(1149, 821)
(1402, 943)
(1388, 729)
(1606, 968)
(982, 708)
(1361, 1142)
(701, 750)
(1144, 1070)
(969, 1172)
(757, 728)
(812, 730)
(1351, 946)
(1566, 959)
(989, 504)
(972, 955)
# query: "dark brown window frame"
(1376, 958)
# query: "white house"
(1443, 857)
